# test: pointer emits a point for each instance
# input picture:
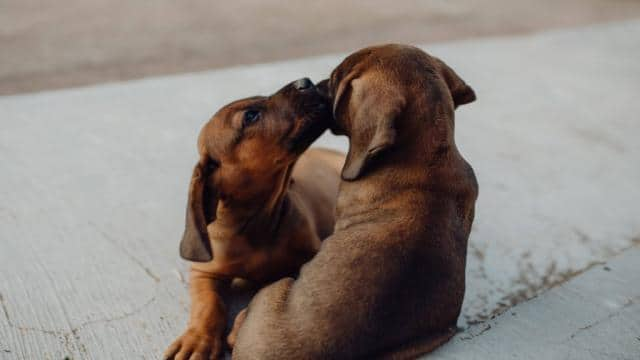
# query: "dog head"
(244, 149)
(371, 91)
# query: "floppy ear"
(201, 207)
(374, 106)
(460, 91)
(343, 86)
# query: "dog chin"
(306, 135)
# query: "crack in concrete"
(117, 318)
(71, 339)
(131, 257)
(63, 335)
(75, 329)
(25, 328)
(628, 303)
(4, 309)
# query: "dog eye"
(211, 166)
(250, 117)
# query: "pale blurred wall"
(56, 44)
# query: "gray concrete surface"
(554, 325)
(46, 44)
(94, 180)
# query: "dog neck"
(257, 220)
(384, 190)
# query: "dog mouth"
(312, 120)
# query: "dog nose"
(302, 84)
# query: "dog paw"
(194, 344)
(231, 339)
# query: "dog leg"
(262, 336)
(207, 320)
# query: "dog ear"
(342, 88)
(201, 207)
(375, 106)
(460, 91)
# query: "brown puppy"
(271, 205)
(390, 280)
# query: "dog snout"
(302, 84)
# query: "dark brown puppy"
(271, 205)
(390, 280)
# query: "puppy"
(390, 281)
(257, 208)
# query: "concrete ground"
(48, 44)
(555, 325)
(94, 180)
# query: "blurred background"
(58, 44)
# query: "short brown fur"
(390, 281)
(257, 208)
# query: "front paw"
(195, 344)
